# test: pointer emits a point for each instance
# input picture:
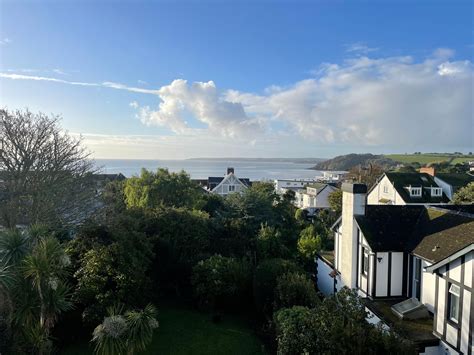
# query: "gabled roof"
(390, 227)
(445, 232)
(401, 181)
(230, 176)
(432, 233)
(455, 180)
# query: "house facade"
(413, 258)
(394, 188)
(314, 196)
(283, 185)
(225, 185)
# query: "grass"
(430, 158)
(186, 331)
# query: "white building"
(228, 184)
(283, 185)
(314, 196)
(393, 253)
(394, 188)
(332, 176)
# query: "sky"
(183, 79)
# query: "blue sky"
(242, 78)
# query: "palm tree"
(125, 334)
(33, 279)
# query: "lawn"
(185, 331)
(429, 158)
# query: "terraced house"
(412, 264)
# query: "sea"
(255, 170)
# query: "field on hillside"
(429, 158)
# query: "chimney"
(230, 170)
(354, 200)
(430, 170)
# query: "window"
(417, 278)
(453, 303)
(365, 261)
(415, 191)
(436, 191)
(231, 188)
(385, 189)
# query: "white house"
(394, 188)
(332, 176)
(283, 185)
(228, 184)
(314, 196)
(414, 261)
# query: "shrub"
(296, 330)
(270, 243)
(309, 243)
(221, 281)
(294, 289)
(265, 281)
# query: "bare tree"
(45, 173)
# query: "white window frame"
(415, 191)
(365, 261)
(454, 299)
(385, 189)
(231, 188)
(436, 192)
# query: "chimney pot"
(230, 170)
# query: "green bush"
(309, 244)
(265, 282)
(296, 330)
(221, 282)
(294, 289)
(270, 243)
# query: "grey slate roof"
(431, 233)
(402, 180)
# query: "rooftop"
(401, 181)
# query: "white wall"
(377, 193)
(382, 272)
(325, 282)
(447, 189)
(396, 286)
(466, 314)
(428, 287)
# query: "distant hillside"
(430, 158)
(279, 160)
(346, 162)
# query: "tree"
(129, 333)
(335, 201)
(295, 289)
(36, 290)
(111, 266)
(150, 190)
(335, 326)
(309, 243)
(45, 172)
(265, 281)
(221, 281)
(270, 243)
(465, 195)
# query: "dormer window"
(415, 191)
(436, 192)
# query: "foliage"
(265, 281)
(465, 195)
(50, 180)
(294, 289)
(221, 281)
(335, 326)
(34, 270)
(130, 333)
(309, 243)
(270, 243)
(335, 201)
(296, 330)
(112, 266)
(150, 190)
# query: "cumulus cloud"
(203, 102)
(367, 101)
(360, 47)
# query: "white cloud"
(360, 47)
(5, 41)
(205, 104)
(133, 104)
